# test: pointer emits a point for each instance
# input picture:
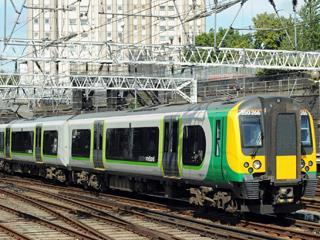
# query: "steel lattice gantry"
(114, 53)
(55, 87)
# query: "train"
(254, 154)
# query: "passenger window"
(81, 139)
(1, 141)
(22, 142)
(133, 144)
(218, 138)
(194, 145)
(50, 143)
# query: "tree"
(270, 34)
(310, 26)
(233, 39)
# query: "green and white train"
(256, 154)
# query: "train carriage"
(255, 154)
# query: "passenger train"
(256, 154)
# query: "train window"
(251, 133)
(286, 134)
(1, 141)
(22, 142)
(50, 143)
(218, 138)
(194, 145)
(133, 144)
(81, 139)
(305, 132)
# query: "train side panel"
(145, 161)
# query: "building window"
(50, 143)
(171, 8)
(133, 144)
(84, 35)
(120, 36)
(162, 8)
(47, 21)
(1, 141)
(81, 139)
(84, 22)
(22, 142)
(36, 20)
(162, 28)
(72, 8)
(73, 21)
(194, 145)
(35, 35)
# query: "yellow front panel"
(286, 167)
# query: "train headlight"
(307, 169)
(310, 163)
(302, 163)
(250, 170)
(257, 164)
(246, 164)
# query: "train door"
(7, 144)
(283, 146)
(97, 146)
(38, 143)
(170, 147)
(218, 148)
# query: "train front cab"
(278, 158)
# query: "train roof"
(144, 111)
(141, 111)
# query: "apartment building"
(118, 21)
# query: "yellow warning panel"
(286, 167)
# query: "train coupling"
(284, 195)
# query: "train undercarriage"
(257, 197)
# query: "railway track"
(138, 218)
(150, 216)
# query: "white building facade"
(117, 21)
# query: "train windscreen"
(251, 131)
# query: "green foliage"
(233, 39)
(270, 33)
(310, 25)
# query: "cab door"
(218, 142)
(170, 147)
(283, 146)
